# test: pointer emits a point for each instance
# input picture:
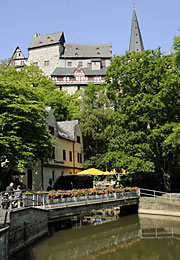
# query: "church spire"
(136, 43)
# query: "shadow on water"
(131, 237)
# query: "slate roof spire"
(136, 43)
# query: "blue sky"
(88, 22)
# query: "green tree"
(24, 135)
(65, 106)
(145, 90)
(95, 116)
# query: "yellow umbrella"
(109, 173)
(113, 172)
(92, 171)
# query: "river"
(135, 237)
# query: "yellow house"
(68, 154)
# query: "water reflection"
(130, 237)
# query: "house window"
(80, 158)
(51, 129)
(89, 64)
(53, 153)
(46, 63)
(29, 179)
(69, 64)
(22, 62)
(70, 156)
(64, 155)
(35, 63)
(78, 139)
(53, 176)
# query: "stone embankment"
(159, 206)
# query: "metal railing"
(36, 199)
(160, 195)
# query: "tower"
(136, 43)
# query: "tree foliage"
(23, 130)
(95, 116)
(145, 90)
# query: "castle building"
(18, 59)
(136, 42)
(72, 66)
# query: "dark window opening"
(80, 158)
(51, 129)
(52, 175)
(53, 153)
(78, 139)
(64, 155)
(29, 179)
(70, 156)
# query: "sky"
(88, 22)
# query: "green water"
(128, 238)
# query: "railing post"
(154, 195)
(44, 201)
(170, 198)
(33, 199)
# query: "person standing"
(10, 189)
(18, 195)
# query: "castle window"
(46, 63)
(80, 64)
(22, 62)
(76, 54)
(69, 63)
(89, 64)
(103, 62)
(35, 63)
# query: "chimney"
(36, 35)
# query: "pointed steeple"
(136, 43)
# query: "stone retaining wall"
(27, 225)
(4, 243)
(158, 207)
